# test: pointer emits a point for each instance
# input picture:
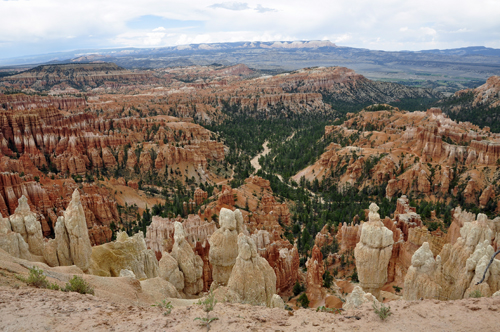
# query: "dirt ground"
(31, 309)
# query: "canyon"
(144, 184)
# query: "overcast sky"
(44, 26)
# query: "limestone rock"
(24, 222)
(190, 264)
(127, 274)
(50, 252)
(277, 302)
(373, 253)
(14, 244)
(224, 247)
(420, 278)
(252, 277)
(357, 298)
(76, 226)
(159, 289)
(62, 241)
(458, 267)
(314, 278)
(169, 270)
(126, 252)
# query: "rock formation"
(373, 253)
(357, 297)
(78, 236)
(189, 263)
(224, 246)
(126, 252)
(160, 234)
(252, 278)
(459, 266)
(314, 279)
(169, 270)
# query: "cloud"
(261, 9)
(231, 5)
(35, 27)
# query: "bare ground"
(30, 309)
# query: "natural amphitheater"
(250, 186)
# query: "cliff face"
(20, 102)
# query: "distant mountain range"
(461, 67)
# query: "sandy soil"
(30, 309)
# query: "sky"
(44, 26)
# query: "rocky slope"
(419, 152)
(74, 75)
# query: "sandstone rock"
(357, 297)
(224, 247)
(190, 264)
(169, 270)
(126, 252)
(252, 278)
(373, 253)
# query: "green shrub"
(383, 312)
(77, 284)
(36, 278)
(303, 301)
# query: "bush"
(77, 284)
(327, 279)
(354, 276)
(383, 312)
(37, 279)
(476, 294)
(303, 301)
(298, 288)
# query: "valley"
(314, 189)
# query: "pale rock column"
(190, 264)
(373, 253)
(76, 226)
(224, 246)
